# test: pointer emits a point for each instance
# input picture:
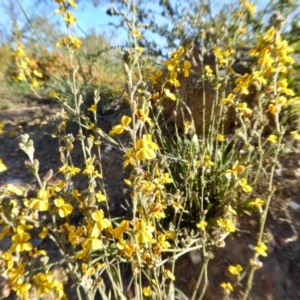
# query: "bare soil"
(280, 276)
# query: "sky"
(88, 16)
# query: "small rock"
(293, 205)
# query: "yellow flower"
(257, 203)
(272, 138)
(164, 178)
(202, 225)
(157, 211)
(266, 60)
(100, 197)
(22, 289)
(207, 161)
(72, 3)
(144, 153)
(269, 36)
(140, 49)
(219, 53)
(245, 186)
(147, 187)
(258, 76)
(44, 233)
(273, 109)
(136, 33)
(229, 100)
(60, 11)
(119, 128)
(220, 138)
(169, 94)
(98, 217)
(93, 241)
(89, 169)
(235, 270)
(43, 282)
(64, 209)
(21, 76)
(186, 68)
(227, 286)
(244, 109)
(281, 100)
(173, 79)
(295, 135)
(168, 274)
(147, 291)
(145, 148)
(69, 41)
(40, 203)
(72, 170)
(162, 241)
(171, 64)
(20, 241)
(19, 52)
(119, 230)
(283, 87)
(37, 73)
(261, 249)
(93, 108)
(242, 84)
(46, 283)
(226, 225)
(15, 274)
(69, 18)
(231, 210)
(177, 206)
(87, 270)
(128, 249)
(74, 42)
(144, 230)
(249, 6)
(34, 84)
(155, 77)
(208, 69)
(74, 234)
(142, 114)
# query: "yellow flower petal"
(169, 94)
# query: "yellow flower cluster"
(235, 270)
(175, 65)
(226, 225)
(273, 54)
(144, 150)
(223, 55)
(70, 41)
(47, 283)
(68, 16)
(27, 69)
(261, 249)
(250, 7)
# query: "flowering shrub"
(188, 192)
